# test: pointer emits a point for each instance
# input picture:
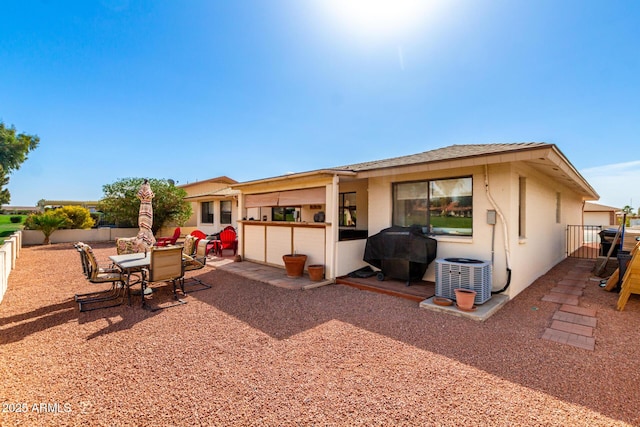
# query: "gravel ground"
(247, 353)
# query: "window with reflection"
(282, 213)
(442, 206)
(206, 212)
(225, 212)
(347, 209)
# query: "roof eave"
(295, 176)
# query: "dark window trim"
(341, 208)
(209, 214)
(224, 215)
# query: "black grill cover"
(405, 243)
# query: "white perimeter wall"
(36, 237)
(9, 252)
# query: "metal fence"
(583, 241)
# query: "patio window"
(225, 211)
(442, 206)
(347, 209)
(282, 213)
(206, 212)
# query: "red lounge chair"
(228, 240)
(165, 241)
(198, 234)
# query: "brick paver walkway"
(571, 324)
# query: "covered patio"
(246, 352)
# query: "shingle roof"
(223, 192)
(595, 207)
(445, 153)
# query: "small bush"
(15, 219)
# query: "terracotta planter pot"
(294, 264)
(465, 298)
(316, 272)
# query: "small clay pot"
(465, 298)
(316, 272)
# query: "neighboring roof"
(69, 202)
(19, 208)
(595, 207)
(226, 192)
(222, 179)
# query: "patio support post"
(334, 225)
(240, 229)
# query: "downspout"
(334, 225)
(505, 230)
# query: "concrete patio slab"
(482, 312)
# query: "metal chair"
(195, 261)
(165, 266)
(99, 275)
(83, 258)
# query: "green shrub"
(15, 219)
(47, 222)
(77, 217)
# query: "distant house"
(214, 204)
(7, 209)
(52, 204)
(454, 193)
(596, 214)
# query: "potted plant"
(294, 264)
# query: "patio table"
(129, 264)
(134, 263)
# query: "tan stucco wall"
(599, 218)
(544, 244)
(194, 221)
(530, 257)
(216, 226)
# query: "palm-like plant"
(47, 222)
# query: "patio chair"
(189, 246)
(165, 266)
(211, 245)
(100, 275)
(228, 240)
(83, 258)
(199, 234)
(126, 245)
(193, 262)
(166, 241)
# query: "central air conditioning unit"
(453, 273)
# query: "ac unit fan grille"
(452, 275)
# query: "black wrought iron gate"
(583, 241)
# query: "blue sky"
(191, 90)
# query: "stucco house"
(602, 215)
(505, 203)
(214, 204)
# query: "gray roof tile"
(446, 153)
